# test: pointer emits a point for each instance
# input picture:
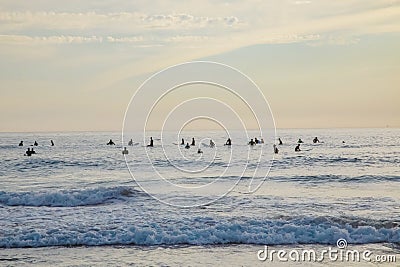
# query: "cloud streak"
(61, 39)
(146, 29)
(93, 20)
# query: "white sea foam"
(205, 231)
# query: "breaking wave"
(66, 198)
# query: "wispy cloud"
(260, 24)
(128, 39)
(200, 31)
(61, 39)
(334, 40)
(144, 30)
(302, 2)
(107, 21)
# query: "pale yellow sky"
(71, 66)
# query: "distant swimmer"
(256, 140)
(193, 142)
(33, 151)
(212, 144)
(21, 143)
(280, 141)
(151, 142)
(130, 143)
(28, 152)
(199, 151)
(125, 151)
(276, 150)
(110, 143)
(315, 140)
(343, 142)
(183, 142)
(252, 143)
(300, 141)
(187, 146)
(297, 148)
(228, 142)
(35, 144)
(52, 143)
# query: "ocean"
(84, 203)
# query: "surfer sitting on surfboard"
(110, 143)
(212, 144)
(28, 152)
(297, 148)
(151, 142)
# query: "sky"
(74, 65)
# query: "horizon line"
(201, 130)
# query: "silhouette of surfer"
(28, 152)
(300, 141)
(52, 143)
(193, 142)
(228, 142)
(130, 143)
(35, 144)
(252, 143)
(125, 151)
(21, 143)
(212, 144)
(297, 148)
(199, 151)
(276, 150)
(280, 141)
(151, 142)
(183, 142)
(110, 143)
(187, 146)
(315, 140)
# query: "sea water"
(80, 194)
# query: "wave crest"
(66, 198)
(207, 231)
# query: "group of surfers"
(228, 142)
(29, 151)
